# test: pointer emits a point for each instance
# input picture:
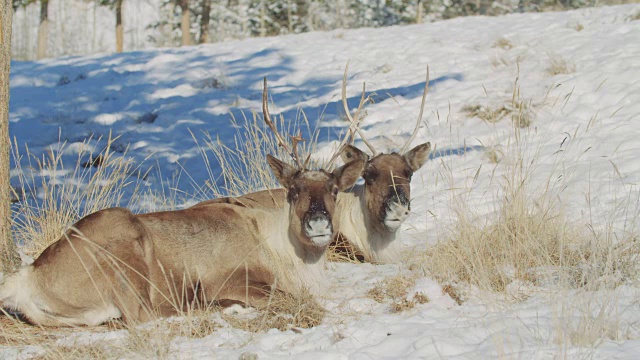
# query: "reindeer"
(115, 264)
(369, 215)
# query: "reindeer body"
(135, 266)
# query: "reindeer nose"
(318, 229)
(318, 221)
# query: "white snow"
(584, 134)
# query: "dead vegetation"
(66, 195)
(503, 43)
(518, 111)
(558, 66)
(395, 291)
(284, 312)
(529, 241)
(341, 250)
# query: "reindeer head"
(387, 179)
(387, 176)
(311, 194)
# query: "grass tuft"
(284, 312)
(558, 66)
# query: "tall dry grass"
(243, 164)
(529, 239)
(51, 197)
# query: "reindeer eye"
(370, 176)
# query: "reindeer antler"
(363, 101)
(267, 119)
(415, 131)
(354, 125)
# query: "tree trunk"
(263, 14)
(119, 27)
(204, 22)
(419, 13)
(43, 29)
(185, 23)
(9, 259)
(290, 16)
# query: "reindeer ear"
(283, 171)
(417, 156)
(351, 153)
(348, 174)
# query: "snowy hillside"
(575, 76)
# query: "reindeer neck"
(357, 225)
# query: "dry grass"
(284, 312)
(394, 288)
(635, 16)
(453, 292)
(244, 167)
(498, 59)
(494, 154)
(558, 66)
(151, 340)
(503, 43)
(84, 351)
(586, 320)
(66, 195)
(576, 25)
(529, 240)
(341, 250)
(406, 304)
(487, 113)
(518, 111)
(532, 243)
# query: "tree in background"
(9, 258)
(43, 30)
(116, 5)
(119, 26)
(185, 22)
(205, 18)
(276, 17)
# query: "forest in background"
(52, 28)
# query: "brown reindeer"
(114, 264)
(369, 215)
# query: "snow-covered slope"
(578, 72)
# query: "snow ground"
(584, 136)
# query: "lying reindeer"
(114, 264)
(369, 215)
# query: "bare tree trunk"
(419, 13)
(119, 27)
(263, 14)
(43, 29)
(204, 22)
(9, 258)
(185, 23)
(290, 16)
